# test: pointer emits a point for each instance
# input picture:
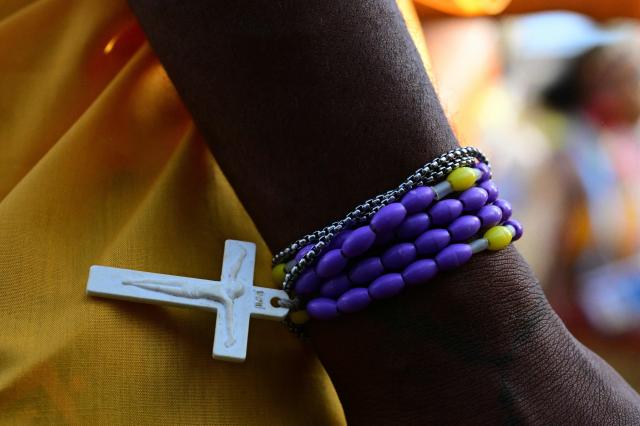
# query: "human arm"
(311, 107)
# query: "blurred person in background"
(490, 74)
(597, 187)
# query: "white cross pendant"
(234, 297)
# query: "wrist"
(464, 334)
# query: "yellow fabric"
(100, 164)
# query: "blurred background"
(551, 92)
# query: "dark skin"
(311, 107)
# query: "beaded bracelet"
(403, 243)
(433, 171)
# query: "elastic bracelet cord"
(400, 240)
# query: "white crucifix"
(234, 297)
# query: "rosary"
(439, 217)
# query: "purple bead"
(444, 211)
(489, 216)
(418, 199)
(413, 226)
(473, 198)
(366, 270)
(486, 172)
(386, 286)
(359, 241)
(432, 241)
(339, 239)
(398, 256)
(322, 308)
(491, 189)
(505, 206)
(307, 283)
(419, 272)
(331, 263)
(388, 218)
(464, 228)
(354, 300)
(334, 287)
(517, 226)
(453, 256)
(304, 250)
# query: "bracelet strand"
(432, 172)
(433, 221)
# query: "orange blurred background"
(553, 98)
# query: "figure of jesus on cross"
(234, 297)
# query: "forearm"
(309, 107)
(312, 107)
(480, 345)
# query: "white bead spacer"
(479, 245)
(442, 189)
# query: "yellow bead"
(499, 237)
(299, 317)
(462, 178)
(278, 273)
